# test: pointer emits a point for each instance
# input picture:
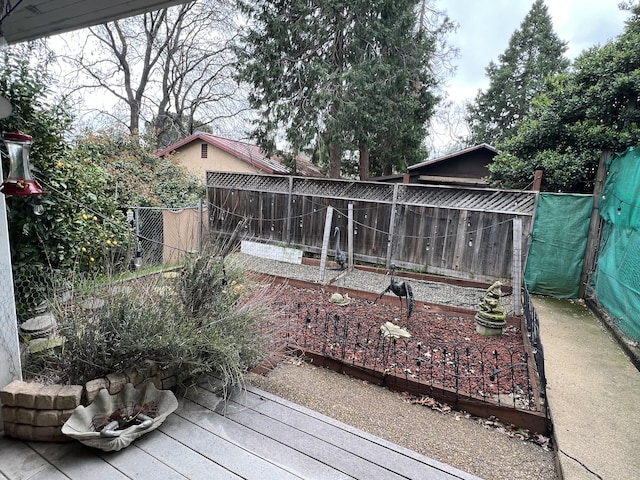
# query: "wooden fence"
(463, 233)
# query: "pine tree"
(591, 108)
(390, 89)
(337, 77)
(534, 53)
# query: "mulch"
(444, 347)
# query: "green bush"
(91, 179)
(137, 176)
(82, 227)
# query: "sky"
(484, 30)
(485, 27)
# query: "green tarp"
(558, 243)
(617, 279)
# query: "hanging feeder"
(19, 182)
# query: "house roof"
(453, 155)
(247, 152)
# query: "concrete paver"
(593, 390)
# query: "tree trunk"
(134, 119)
(335, 160)
(364, 160)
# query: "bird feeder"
(19, 182)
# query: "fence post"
(137, 217)
(200, 226)
(325, 243)
(350, 234)
(289, 208)
(517, 266)
(138, 241)
(392, 223)
(595, 226)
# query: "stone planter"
(34, 411)
(487, 327)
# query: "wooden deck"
(256, 435)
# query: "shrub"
(82, 226)
(205, 320)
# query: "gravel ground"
(425, 291)
(469, 444)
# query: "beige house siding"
(189, 156)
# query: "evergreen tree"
(534, 53)
(336, 76)
(593, 107)
(390, 92)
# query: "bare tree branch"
(172, 68)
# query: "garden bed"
(444, 358)
(312, 322)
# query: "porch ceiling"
(32, 19)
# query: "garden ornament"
(401, 288)
(491, 317)
(342, 300)
(391, 330)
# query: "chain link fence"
(157, 237)
(165, 235)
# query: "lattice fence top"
(242, 181)
(345, 189)
(501, 201)
(488, 200)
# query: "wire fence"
(165, 235)
(155, 237)
(460, 369)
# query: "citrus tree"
(82, 227)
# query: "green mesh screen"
(558, 243)
(617, 279)
(620, 200)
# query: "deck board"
(182, 459)
(263, 446)
(18, 461)
(368, 449)
(344, 459)
(77, 462)
(241, 461)
(254, 436)
(138, 463)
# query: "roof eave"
(452, 155)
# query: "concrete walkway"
(593, 390)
